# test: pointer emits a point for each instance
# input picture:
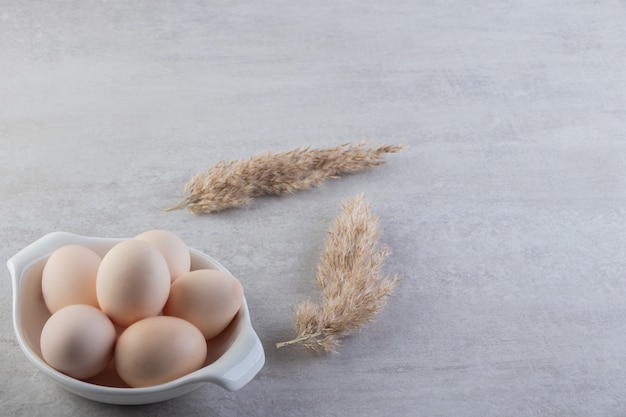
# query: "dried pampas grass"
(236, 183)
(349, 275)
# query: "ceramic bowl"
(235, 356)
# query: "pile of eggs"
(139, 307)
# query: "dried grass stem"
(236, 183)
(353, 289)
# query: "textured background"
(506, 217)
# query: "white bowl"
(235, 357)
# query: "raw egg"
(158, 349)
(207, 298)
(69, 277)
(173, 249)
(133, 282)
(78, 340)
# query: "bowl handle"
(248, 355)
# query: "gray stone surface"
(506, 217)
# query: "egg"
(133, 282)
(69, 277)
(158, 349)
(173, 249)
(209, 299)
(78, 340)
